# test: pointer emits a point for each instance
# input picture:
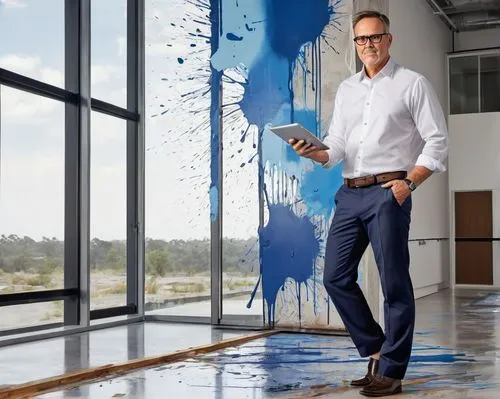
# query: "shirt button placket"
(366, 118)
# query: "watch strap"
(412, 186)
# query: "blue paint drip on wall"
(215, 82)
(289, 248)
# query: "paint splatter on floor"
(455, 355)
(297, 366)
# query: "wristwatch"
(412, 186)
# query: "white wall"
(421, 41)
(474, 164)
(474, 161)
(478, 39)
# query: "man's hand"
(308, 151)
(400, 190)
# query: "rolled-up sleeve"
(431, 124)
(335, 138)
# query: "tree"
(158, 263)
(114, 259)
(50, 247)
(20, 263)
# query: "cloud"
(30, 66)
(106, 129)
(19, 63)
(52, 76)
(31, 169)
(32, 195)
(20, 107)
(12, 3)
(102, 73)
(109, 83)
(178, 167)
(122, 45)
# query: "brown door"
(473, 238)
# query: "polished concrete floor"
(456, 354)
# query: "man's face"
(372, 54)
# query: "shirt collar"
(387, 70)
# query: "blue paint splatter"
(318, 189)
(440, 358)
(266, 90)
(293, 23)
(307, 118)
(233, 37)
(215, 109)
(289, 248)
(289, 245)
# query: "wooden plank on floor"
(30, 389)
(314, 330)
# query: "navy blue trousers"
(362, 216)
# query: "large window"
(240, 220)
(490, 83)
(177, 160)
(108, 212)
(464, 85)
(32, 165)
(474, 83)
(70, 153)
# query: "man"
(389, 130)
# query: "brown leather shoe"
(382, 386)
(368, 378)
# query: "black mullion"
(20, 82)
(19, 298)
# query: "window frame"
(468, 53)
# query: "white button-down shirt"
(391, 122)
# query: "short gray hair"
(371, 14)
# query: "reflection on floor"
(41, 359)
(455, 355)
(236, 306)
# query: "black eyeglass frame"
(375, 38)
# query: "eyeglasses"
(376, 38)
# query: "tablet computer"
(299, 132)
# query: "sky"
(177, 121)
(178, 142)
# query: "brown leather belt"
(370, 180)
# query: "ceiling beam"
(439, 11)
(473, 7)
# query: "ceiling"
(466, 15)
